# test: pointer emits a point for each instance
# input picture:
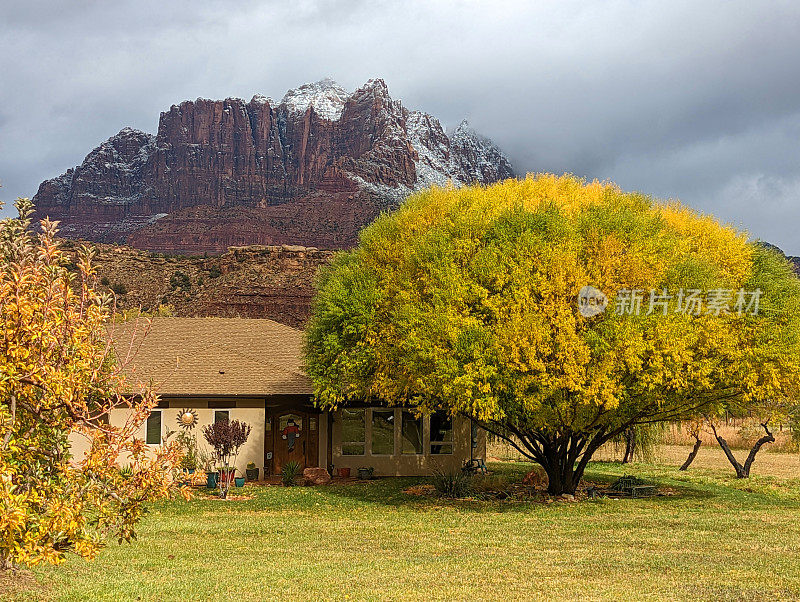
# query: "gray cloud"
(697, 101)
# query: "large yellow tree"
(555, 312)
(57, 376)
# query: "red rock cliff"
(310, 170)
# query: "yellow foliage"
(57, 376)
(467, 299)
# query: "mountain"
(793, 261)
(311, 170)
(796, 263)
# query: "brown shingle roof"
(212, 356)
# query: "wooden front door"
(294, 438)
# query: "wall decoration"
(187, 419)
(291, 432)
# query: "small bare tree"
(695, 430)
(742, 470)
(226, 437)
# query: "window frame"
(363, 443)
(390, 412)
(441, 442)
(153, 414)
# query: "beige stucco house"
(251, 370)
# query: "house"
(252, 370)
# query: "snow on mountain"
(476, 158)
(464, 157)
(427, 137)
(325, 96)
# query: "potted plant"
(251, 471)
(226, 477)
(226, 437)
(206, 462)
(239, 481)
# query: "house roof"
(211, 356)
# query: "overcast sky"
(692, 100)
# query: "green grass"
(718, 538)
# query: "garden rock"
(316, 476)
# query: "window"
(153, 436)
(411, 433)
(383, 432)
(222, 415)
(353, 432)
(441, 433)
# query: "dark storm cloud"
(699, 101)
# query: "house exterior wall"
(250, 411)
(253, 412)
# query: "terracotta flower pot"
(226, 476)
(344, 473)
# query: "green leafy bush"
(180, 280)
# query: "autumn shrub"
(59, 376)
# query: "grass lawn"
(718, 538)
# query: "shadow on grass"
(390, 491)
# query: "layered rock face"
(275, 282)
(312, 170)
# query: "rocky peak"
(326, 97)
(310, 170)
(477, 157)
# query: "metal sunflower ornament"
(187, 419)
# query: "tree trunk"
(563, 456)
(743, 470)
(560, 460)
(562, 479)
(630, 445)
(692, 454)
